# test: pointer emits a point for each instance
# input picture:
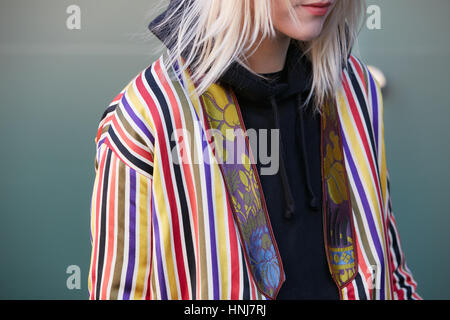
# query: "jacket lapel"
(340, 240)
(232, 151)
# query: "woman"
(186, 205)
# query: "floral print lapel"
(340, 240)
(233, 153)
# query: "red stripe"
(117, 98)
(97, 214)
(359, 71)
(148, 295)
(252, 280)
(169, 183)
(416, 296)
(234, 254)
(110, 232)
(351, 291)
(362, 262)
(101, 125)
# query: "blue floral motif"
(264, 259)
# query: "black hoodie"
(294, 194)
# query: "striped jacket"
(166, 228)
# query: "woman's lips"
(317, 8)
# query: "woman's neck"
(270, 56)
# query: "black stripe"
(126, 153)
(101, 246)
(179, 181)
(395, 246)
(361, 291)
(401, 280)
(365, 112)
(246, 291)
(107, 111)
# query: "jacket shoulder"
(357, 73)
(126, 125)
(366, 92)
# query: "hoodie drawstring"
(313, 200)
(289, 201)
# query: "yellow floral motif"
(344, 276)
(251, 197)
(335, 171)
(345, 257)
(246, 162)
(336, 258)
(244, 179)
(350, 272)
(330, 114)
(221, 111)
(230, 115)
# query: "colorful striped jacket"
(170, 219)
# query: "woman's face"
(310, 13)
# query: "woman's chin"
(307, 33)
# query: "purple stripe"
(132, 237)
(100, 143)
(162, 280)
(136, 120)
(98, 148)
(374, 109)
(212, 229)
(180, 77)
(367, 210)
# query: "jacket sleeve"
(120, 266)
(404, 285)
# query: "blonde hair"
(212, 34)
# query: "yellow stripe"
(143, 236)
(138, 107)
(383, 177)
(383, 166)
(221, 230)
(165, 233)
(191, 92)
(363, 169)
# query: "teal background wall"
(55, 83)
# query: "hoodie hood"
(162, 32)
(294, 79)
